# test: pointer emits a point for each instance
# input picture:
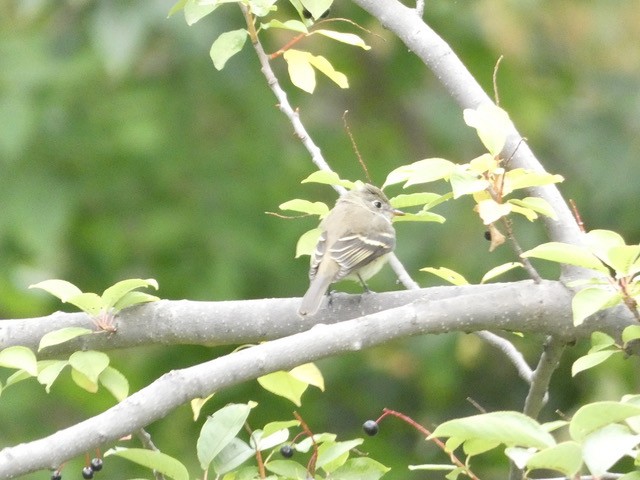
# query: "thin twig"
(301, 131)
(145, 439)
(355, 145)
(496, 96)
(539, 389)
(511, 352)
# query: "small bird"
(357, 237)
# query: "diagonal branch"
(467, 92)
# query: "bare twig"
(145, 439)
(301, 131)
(496, 96)
(511, 352)
(355, 145)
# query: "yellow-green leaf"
(285, 385)
(293, 25)
(536, 204)
(62, 335)
(310, 374)
(591, 300)
(90, 363)
(58, 288)
(307, 242)
(48, 372)
(300, 70)
(464, 182)
(421, 216)
(20, 358)
(521, 178)
(305, 206)
(492, 124)
(490, 210)
(115, 382)
(226, 46)
(197, 404)
(590, 360)
(154, 460)
(566, 253)
(328, 177)
(422, 171)
(447, 274)
(349, 38)
(499, 270)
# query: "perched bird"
(357, 236)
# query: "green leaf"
(115, 382)
(422, 171)
(114, 294)
(492, 124)
(83, 381)
(519, 456)
(509, 428)
(17, 376)
(153, 459)
(218, 431)
(272, 427)
(569, 254)
(520, 178)
(307, 242)
(477, 446)
(591, 360)
(622, 259)
(327, 177)
(630, 333)
(261, 8)
(309, 374)
(260, 441)
(300, 70)
(197, 404)
(293, 25)
(58, 288)
(287, 469)
(62, 335)
(604, 447)
(317, 7)
(90, 363)
(226, 46)
(464, 182)
(529, 214)
(305, 206)
(48, 372)
(195, 10)
(88, 302)
(594, 416)
(20, 358)
(349, 38)
(536, 204)
(234, 454)
(134, 298)
(360, 468)
(179, 5)
(332, 455)
(285, 385)
(590, 300)
(413, 199)
(600, 341)
(490, 211)
(566, 457)
(421, 216)
(499, 270)
(447, 274)
(324, 66)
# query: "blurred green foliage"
(125, 154)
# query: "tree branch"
(467, 92)
(521, 307)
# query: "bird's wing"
(353, 251)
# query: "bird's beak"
(398, 213)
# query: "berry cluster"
(87, 472)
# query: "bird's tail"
(313, 298)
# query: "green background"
(124, 153)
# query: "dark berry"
(56, 475)
(370, 427)
(487, 235)
(87, 473)
(96, 464)
(286, 451)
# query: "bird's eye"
(377, 203)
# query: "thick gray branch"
(520, 306)
(427, 45)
